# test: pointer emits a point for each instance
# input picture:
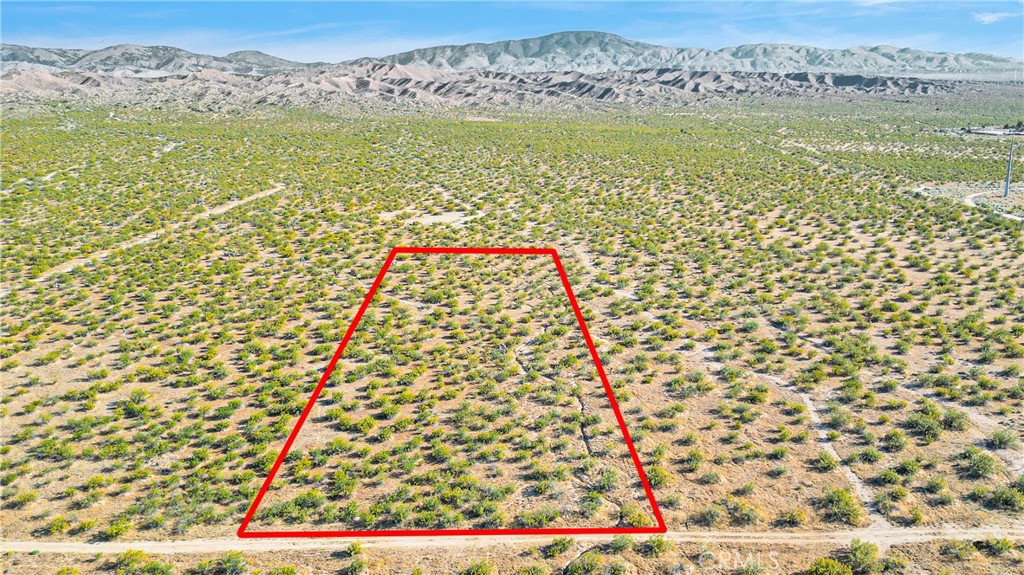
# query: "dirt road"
(883, 537)
(969, 200)
(72, 264)
(706, 356)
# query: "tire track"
(137, 241)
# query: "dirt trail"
(1013, 458)
(861, 489)
(588, 263)
(72, 264)
(49, 177)
(969, 200)
(884, 537)
(880, 533)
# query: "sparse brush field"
(797, 341)
(466, 398)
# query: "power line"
(1009, 167)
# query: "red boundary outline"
(660, 528)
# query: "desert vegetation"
(466, 398)
(797, 341)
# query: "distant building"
(996, 130)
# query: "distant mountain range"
(589, 52)
(600, 52)
(371, 84)
(142, 61)
(574, 69)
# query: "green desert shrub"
(840, 505)
(557, 546)
(828, 566)
(862, 557)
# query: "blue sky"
(331, 32)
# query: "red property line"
(660, 528)
(498, 251)
(611, 394)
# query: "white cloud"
(992, 17)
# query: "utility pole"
(1009, 167)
